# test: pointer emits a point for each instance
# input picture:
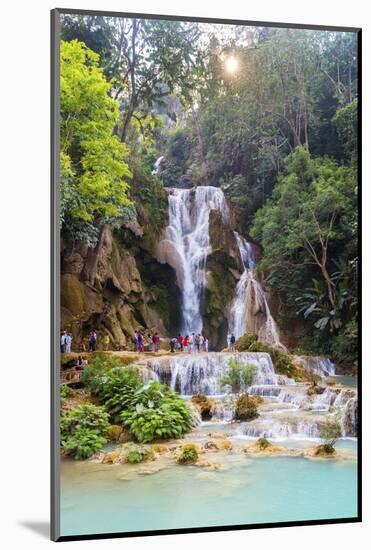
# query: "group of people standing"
(66, 342)
(151, 340)
(194, 343)
(67, 339)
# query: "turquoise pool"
(99, 498)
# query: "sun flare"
(231, 65)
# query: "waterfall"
(322, 366)
(157, 166)
(187, 244)
(192, 374)
(249, 311)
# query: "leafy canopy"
(94, 173)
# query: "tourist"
(106, 342)
(80, 365)
(232, 342)
(63, 341)
(180, 342)
(173, 343)
(140, 342)
(134, 338)
(151, 343)
(156, 342)
(68, 341)
(202, 341)
(190, 343)
(93, 341)
(197, 340)
(193, 342)
(206, 344)
(186, 343)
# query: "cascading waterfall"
(288, 409)
(249, 311)
(187, 245)
(192, 374)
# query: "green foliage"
(65, 391)
(263, 443)
(346, 121)
(188, 454)
(238, 376)
(83, 443)
(345, 344)
(115, 386)
(245, 342)
(94, 173)
(308, 232)
(134, 457)
(157, 413)
(245, 408)
(84, 430)
(330, 431)
(283, 362)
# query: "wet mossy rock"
(246, 408)
(223, 269)
(188, 453)
(204, 405)
(102, 289)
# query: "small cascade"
(281, 428)
(349, 418)
(250, 311)
(321, 366)
(156, 168)
(192, 374)
(325, 400)
(187, 244)
(223, 410)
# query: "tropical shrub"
(330, 431)
(244, 342)
(114, 386)
(188, 454)
(83, 443)
(157, 413)
(65, 391)
(263, 443)
(238, 375)
(84, 430)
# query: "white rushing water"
(187, 245)
(157, 166)
(288, 409)
(250, 311)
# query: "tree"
(94, 174)
(330, 431)
(238, 376)
(307, 230)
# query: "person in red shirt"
(185, 342)
(180, 340)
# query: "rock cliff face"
(108, 289)
(223, 270)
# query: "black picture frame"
(55, 275)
